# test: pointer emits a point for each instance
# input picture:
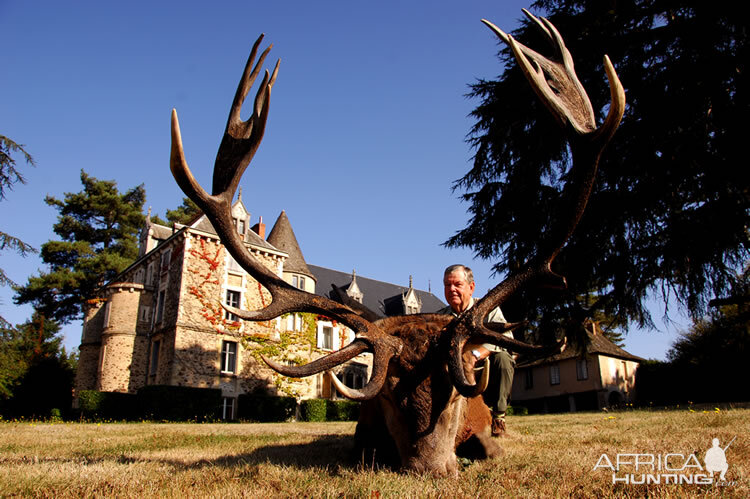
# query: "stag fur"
(422, 390)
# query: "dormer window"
(298, 282)
(239, 223)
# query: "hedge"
(342, 410)
(313, 410)
(179, 403)
(265, 408)
(107, 405)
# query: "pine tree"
(183, 213)
(98, 229)
(670, 209)
(40, 374)
(10, 175)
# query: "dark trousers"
(497, 394)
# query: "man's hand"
(477, 353)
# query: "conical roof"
(282, 237)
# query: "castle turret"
(296, 271)
(123, 353)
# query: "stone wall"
(122, 356)
(118, 341)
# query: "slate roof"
(203, 224)
(160, 232)
(282, 237)
(598, 344)
(377, 294)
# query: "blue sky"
(365, 136)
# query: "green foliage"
(705, 361)
(179, 403)
(13, 363)
(46, 384)
(98, 228)
(266, 408)
(313, 410)
(94, 405)
(36, 373)
(183, 213)
(517, 411)
(342, 410)
(10, 175)
(279, 350)
(670, 209)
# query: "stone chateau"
(160, 321)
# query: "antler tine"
(180, 170)
(242, 138)
(246, 82)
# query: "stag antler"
(556, 84)
(238, 146)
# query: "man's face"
(457, 291)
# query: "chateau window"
(233, 300)
(145, 314)
(582, 369)
(107, 309)
(154, 357)
(160, 305)
(354, 379)
(528, 379)
(326, 338)
(554, 374)
(227, 408)
(165, 258)
(298, 282)
(228, 357)
(239, 223)
(150, 274)
(233, 266)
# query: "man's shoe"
(498, 427)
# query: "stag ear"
(338, 295)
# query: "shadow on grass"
(329, 452)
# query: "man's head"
(458, 281)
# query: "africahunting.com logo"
(669, 468)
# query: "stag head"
(422, 381)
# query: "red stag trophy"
(422, 396)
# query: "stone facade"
(161, 321)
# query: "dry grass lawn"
(546, 456)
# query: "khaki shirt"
(495, 316)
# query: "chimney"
(260, 228)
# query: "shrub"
(342, 410)
(313, 410)
(93, 404)
(179, 403)
(266, 408)
(517, 411)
